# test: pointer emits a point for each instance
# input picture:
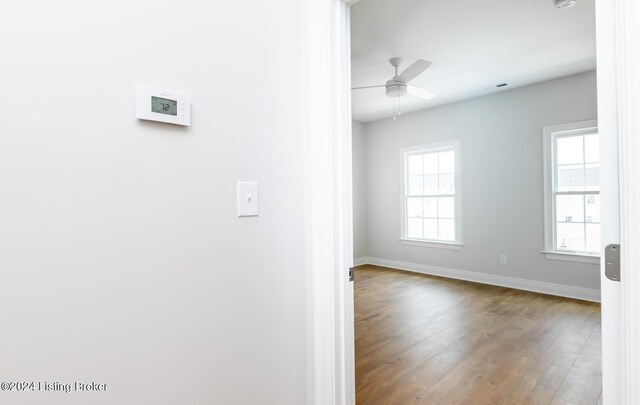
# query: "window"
(431, 194)
(572, 189)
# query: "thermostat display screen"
(164, 106)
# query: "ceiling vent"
(564, 3)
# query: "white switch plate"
(503, 259)
(247, 199)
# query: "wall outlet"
(503, 259)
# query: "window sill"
(432, 244)
(572, 257)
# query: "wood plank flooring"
(430, 340)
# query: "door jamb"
(329, 238)
(627, 66)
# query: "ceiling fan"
(398, 87)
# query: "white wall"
(502, 183)
(359, 164)
(122, 260)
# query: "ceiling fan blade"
(414, 70)
(418, 92)
(367, 87)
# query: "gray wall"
(502, 181)
(121, 255)
(360, 204)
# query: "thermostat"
(163, 106)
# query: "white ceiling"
(473, 45)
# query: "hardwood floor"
(430, 340)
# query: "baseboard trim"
(561, 290)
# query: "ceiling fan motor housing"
(396, 88)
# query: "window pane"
(447, 229)
(570, 236)
(447, 162)
(415, 185)
(414, 228)
(431, 184)
(593, 238)
(446, 185)
(592, 208)
(430, 207)
(570, 178)
(414, 207)
(592, 177)
(591, 148)
(570, 150)
(429, 175)
(430, 229)
(431, 163)
(445, 207)
(415, 165)
(570, 208)
(577, 169)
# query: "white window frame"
(426, 148)
(549, 135)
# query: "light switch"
(247, 199)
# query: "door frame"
(328, 196)
(618, 25)
(329, 208)
(610, 291)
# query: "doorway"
(329, 166)
(601, 13)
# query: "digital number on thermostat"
(164, 106)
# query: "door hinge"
(351, 273)
(612, 262)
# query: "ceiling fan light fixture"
(564, 3)
(396, 89)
